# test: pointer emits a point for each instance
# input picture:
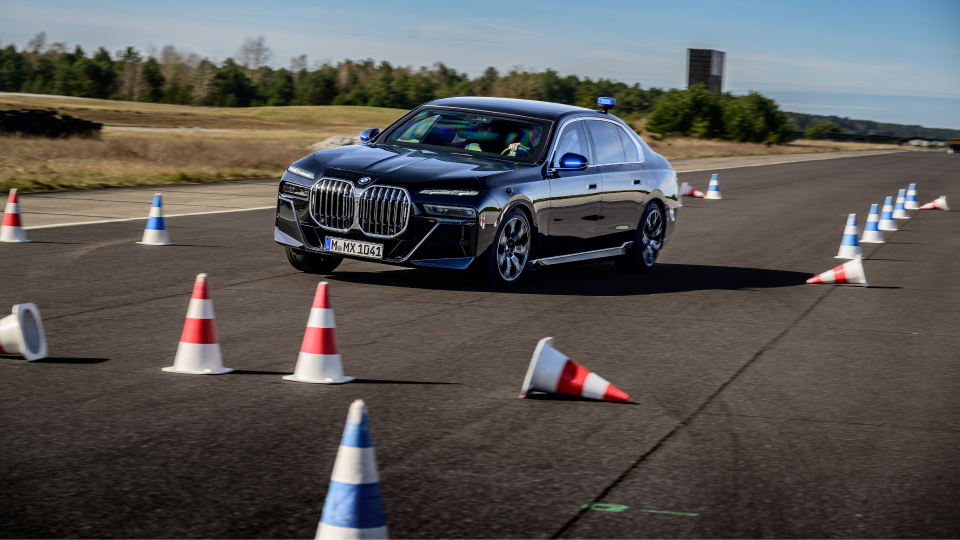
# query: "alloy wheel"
(513, 248)
(652, 237)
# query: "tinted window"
(469, 132)
(607, 143)
(571, 140)
(633, 155)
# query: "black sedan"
(494, 186)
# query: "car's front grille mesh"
(333, 204)
(383, 211)
(380, 211)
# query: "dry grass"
(684, 148)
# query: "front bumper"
(428, 241)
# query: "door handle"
(591, 186)
(635, 182)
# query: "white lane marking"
(784, 162)
(144, 217)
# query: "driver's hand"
(513, 146)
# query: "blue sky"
(892, 61)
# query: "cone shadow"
(562, 397)
(49, 360)
(385, 381)
(255, 372)
(596, 279)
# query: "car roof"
(542, 110)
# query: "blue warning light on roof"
(606, 102)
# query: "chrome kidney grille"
(383, 211)
(378, 211)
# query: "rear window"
(471, 133)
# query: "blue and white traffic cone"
(156, 232)
(899, 212)
(713, 192)
(886, 216)
(911, 202)
(849, 246)
(872, 234)
(353, 508)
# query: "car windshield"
(470, 133)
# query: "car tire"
(507, 259)
(312, 263)
(646, 248)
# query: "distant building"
(705, 66)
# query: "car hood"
(404, 166)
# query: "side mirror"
(368, 135)
(572, 162)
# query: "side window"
(606, 142)
(573, 140)
(630, 147)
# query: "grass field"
(249, 143)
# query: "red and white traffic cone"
(199, 350)
(687, 191)
(939, 204)
(552, 372)
(849, 272)
(12, 229)
(319, 360)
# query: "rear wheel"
(646, 248)
(312, 263)
(508, 256)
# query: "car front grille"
(379, 211)
(333, 204)
(383, 211)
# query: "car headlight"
(460, 192)
(450, 211)
(300, 172)
(296, 190)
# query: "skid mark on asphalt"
(686, 421)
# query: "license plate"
(353, 247)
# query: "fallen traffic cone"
(939, 204)
(156, 232)
(199, 350)
(12, 230)
(872, 234)
(22, 333)
(848, 272)
(354, 508)
(687, 191)
(713, 192)
(319, 360)
(886, 216)
(552, 372)
(849, 246)
(899, 212)
(911, 202)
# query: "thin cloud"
(512, 29)
(833, 106)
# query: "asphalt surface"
(767, 407)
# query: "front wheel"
(312, 263)
(507, 258)
(646, 249)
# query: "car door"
(624, 190)
(574, 196)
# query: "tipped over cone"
(849, 272)
(552, 372)
(687, 191)
(939, 204)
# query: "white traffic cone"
(872, 234)
(687, 191)
(848, 272)
(21, 333)
(155, 233)
(849, 246)
(353, 507)
(911, 202)
(887, 222)
(12, 228)
(552, 372)
(939, 204)
(319, 360)
(199, 350)
(713, 191)
(899, 212)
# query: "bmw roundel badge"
(365, 180)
